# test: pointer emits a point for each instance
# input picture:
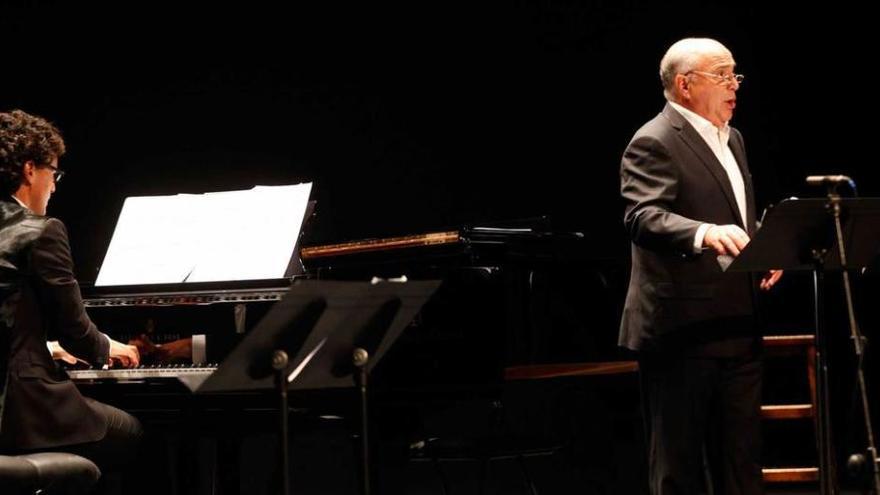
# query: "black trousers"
(118, 449)
(702, 412)
(115, 453)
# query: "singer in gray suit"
(689, 210)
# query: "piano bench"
(47, 472)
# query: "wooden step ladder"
(787, 345)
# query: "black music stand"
(335, 331)
(821, 235)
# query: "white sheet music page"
(211, 237)
(250, 234)
(152, 243)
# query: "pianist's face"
(43, 185)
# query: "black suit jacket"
(671, 183)
(39, 300)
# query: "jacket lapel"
(698, 145)
(739, 153)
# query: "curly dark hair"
(25, 137)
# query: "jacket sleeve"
(649, 185)
(60, 298)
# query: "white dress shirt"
(717, 140)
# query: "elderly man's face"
(709, 94)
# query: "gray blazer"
(671, 183)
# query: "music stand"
(335, 331)
(833, 234)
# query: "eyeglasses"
(727, 79)
(57, 174)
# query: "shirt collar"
(19, 202)
(701, 124)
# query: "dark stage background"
(417, 118)
(414, 118)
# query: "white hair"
(684, 56)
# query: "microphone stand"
(834, 207)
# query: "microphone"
(832, 181)
(819, 180)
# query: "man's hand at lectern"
(726, 240)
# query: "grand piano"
(510, 296)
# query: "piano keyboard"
(141, 373)
(190, 375)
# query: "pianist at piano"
(40, 300)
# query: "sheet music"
(222, 236)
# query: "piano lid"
(391, 243)
(476, 243)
